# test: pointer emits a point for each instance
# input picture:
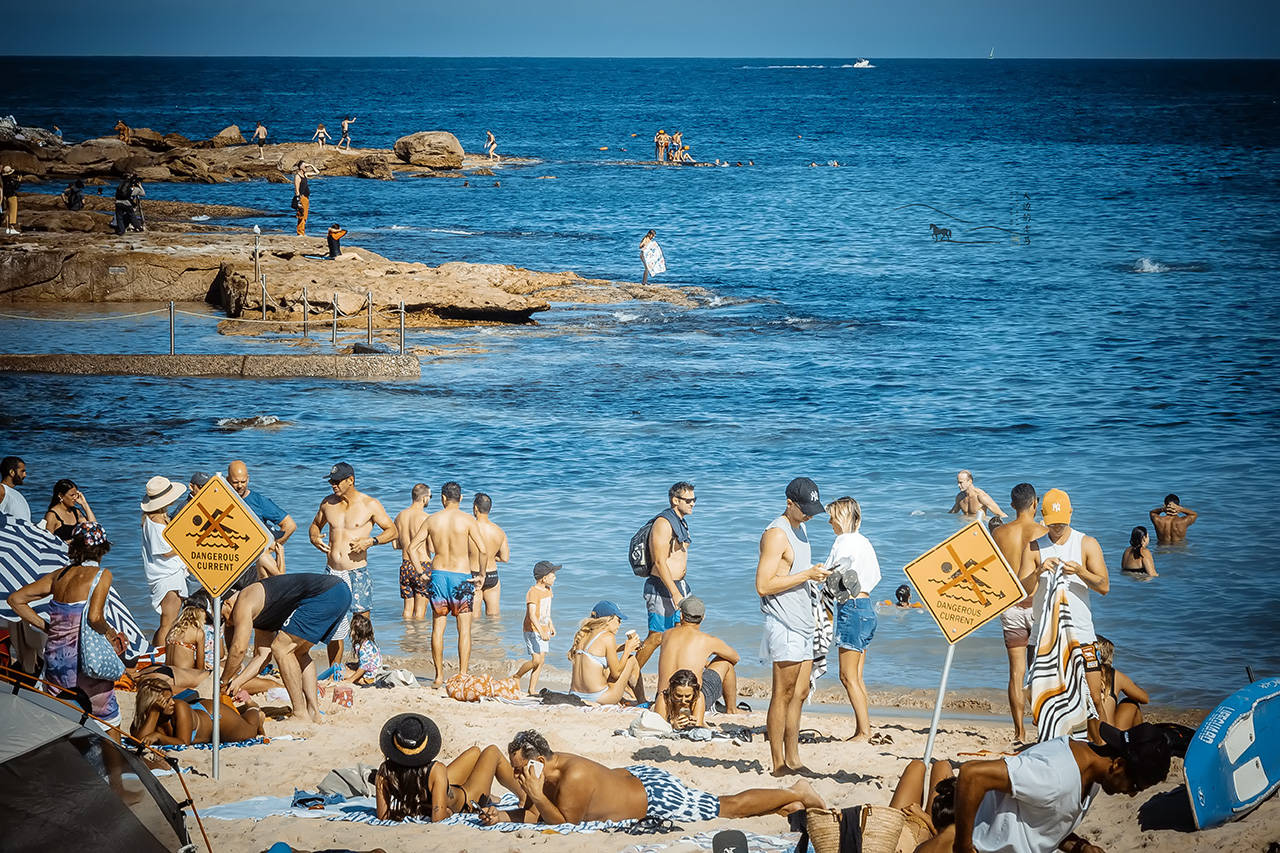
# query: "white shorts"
(1016, 625)
(785, 644)
(534, 644)
(165, 585)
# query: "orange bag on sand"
(472, 688)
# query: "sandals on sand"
(653, 825)
(721, 707)
(881, 739)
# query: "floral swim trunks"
(415, 580)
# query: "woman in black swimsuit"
(411, 783)
(68, 508)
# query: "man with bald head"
(278, 522)
(973, 501)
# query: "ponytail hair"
(1135, 541)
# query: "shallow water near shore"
(1104, 320)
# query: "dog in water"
(939, 233)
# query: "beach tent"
(27, 552)
(66, 786)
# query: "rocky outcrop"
(434, 149)
(374, 166)
(229, 135)
(194, 364)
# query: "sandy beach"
(845, 774)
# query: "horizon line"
(973, 57)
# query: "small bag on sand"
(473, 688)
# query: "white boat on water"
(863, 63)
(992, 54)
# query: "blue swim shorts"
(856, 622)
(663, 612)
(317, 618)
(451, 593)
(672, 799)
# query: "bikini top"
(601, 660)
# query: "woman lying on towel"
(411, 783)
(160, 718)
(683, 704)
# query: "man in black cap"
(1032, 802)
(785, 564)
(687, 646)
(350, 515)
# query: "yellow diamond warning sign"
(217, 536)
(965, 582)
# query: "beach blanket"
(1060, 700)
(756, 843)
(257, 741)
(27, 552)
(365, 810)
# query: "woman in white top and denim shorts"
(856, 618)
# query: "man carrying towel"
(285, 615)
(1080, 558)
(668, 564)
(785, 564)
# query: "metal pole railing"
(171, 350)
(257, 254)
(368, 301)
(335, 316)
(263, 281)
(306, 310)
(402, 327)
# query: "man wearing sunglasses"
(669, 560)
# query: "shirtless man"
(687, 646)
(485, 578)
(1080, 558)
(350, 516)
(668, 563)
(974, 501)
(785, 565)
(660, 143)
(1172, 520)
(260, 139)
(1014, 539)
(415, 563)
(449, 535)
(560, 787)
(346, 132)
(278, 522)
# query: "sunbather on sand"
(411, 783)
(600, 674)
(160, 718)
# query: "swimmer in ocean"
(973, 501)
(1171, 520)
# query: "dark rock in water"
(374, 166)
(435, 149)
(483, 171)
(370, 349)
(145, 137)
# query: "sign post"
(218, 538)
(964, 582)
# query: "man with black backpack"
(660, 555)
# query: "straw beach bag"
(889, 830)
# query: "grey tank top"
(792, 607)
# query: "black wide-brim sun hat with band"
(410, 740)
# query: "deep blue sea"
(1104, 321)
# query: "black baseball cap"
(340, 472)
(803, 492)
(1145, 750)
(542, 568)
(729, 841)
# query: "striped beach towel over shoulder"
(1060, 700)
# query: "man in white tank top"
(785, 564)
(1080, 557)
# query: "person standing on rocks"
(260, 139)
(491, 144)
(660, 143)
(129, 205)
(9, 183)
(320, 135)
(346, 132)
(301, 196)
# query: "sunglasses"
(687, 500)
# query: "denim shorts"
(856, 624)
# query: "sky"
(698, 28)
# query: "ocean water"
(1104, 320)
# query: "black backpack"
(638, 555)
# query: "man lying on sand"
(1032, 802)
(560, 787)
